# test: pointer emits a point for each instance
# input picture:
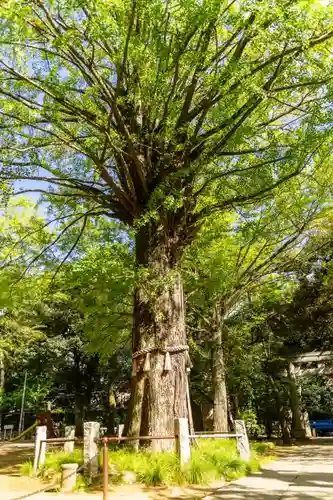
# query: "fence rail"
(182, 439)
(110, 439)
(58, 440)
(214, 436)
(92, 440)
(42, 441)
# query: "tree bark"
(285, 427)
(297, 425)
(158, 395)
(220, 422)
(220, 413)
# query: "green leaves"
(142, 93)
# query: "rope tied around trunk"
(163, 350)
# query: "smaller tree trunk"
(78, 418)
(285, 426)
(297, 425)
(269, 427)
(283, 415)
(220, 415)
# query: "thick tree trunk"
(159, 386)
(220, 422)
(297, 425)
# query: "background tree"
(160, 115)
(231, 258)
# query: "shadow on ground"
(13, 455)
(302, 472)
(305, 473)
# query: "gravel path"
(305, 473)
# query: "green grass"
(51, 469)
(27, 468)
(212, 459)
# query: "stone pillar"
(69, 434)
(68, 477)
(183, 447)
(120, 429)
(242, 440)
(40, 446)
(90, 447)
(306, 424)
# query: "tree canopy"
(143, 108)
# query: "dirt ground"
(13, 485)
(12, 456)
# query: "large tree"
(160, 114)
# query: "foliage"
(37, 393)
(191, 109)
(317, 396)
(251, 422)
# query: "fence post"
(242, 440)
(40, 446)
(105, 469)
(69, 434)
(120, 430)
(182, 440)
(90, 447)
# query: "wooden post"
(40, 446)
(105, 469)
(313, 432)
(242, 440)
(182, 440)
(90, 447)
(69, 434)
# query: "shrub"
(263, 447)
(251, 422)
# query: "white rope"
(163, 350)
